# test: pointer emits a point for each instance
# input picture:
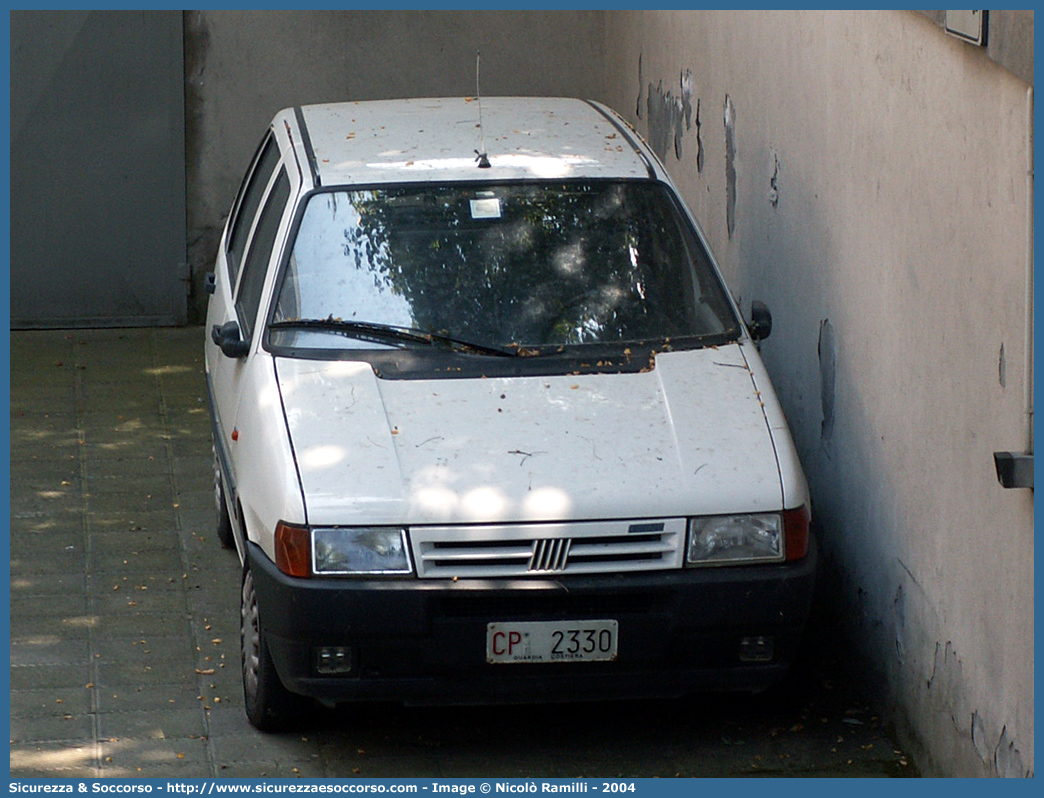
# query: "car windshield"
(534, 268)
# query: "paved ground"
(124, 613)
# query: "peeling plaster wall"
(869, 177)
(234, 85)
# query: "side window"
(250, 199)
(255, 265)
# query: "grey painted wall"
(97, 168)
(235, 84)
(871, 178)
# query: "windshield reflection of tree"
(569, 264)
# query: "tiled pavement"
(124, 613)
(117, 665)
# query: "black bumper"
(424, 641)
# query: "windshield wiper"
(388, 333)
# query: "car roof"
(437, 139)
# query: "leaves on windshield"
(520, 265)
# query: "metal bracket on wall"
(1014, 469)
(967, 25)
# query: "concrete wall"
(243, 66)
(875, 174)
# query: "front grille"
(592, 547)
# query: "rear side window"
(250, 199)
(256, 264)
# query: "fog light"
(756, 649)
(333, 660)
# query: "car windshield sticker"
(485, 208)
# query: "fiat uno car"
(488, 426)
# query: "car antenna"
(483, 158)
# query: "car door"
(240, 272)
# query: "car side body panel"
(269, 488)
(792, 476)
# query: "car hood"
(687, 437)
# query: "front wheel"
(269, 705)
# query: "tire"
(224, 522)
(269, 705)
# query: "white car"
(488, 426)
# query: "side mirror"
(229, 340)
(760, 321)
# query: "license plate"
(552, 641)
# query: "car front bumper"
(424, 641)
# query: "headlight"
(360, 550)
(731, 539)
